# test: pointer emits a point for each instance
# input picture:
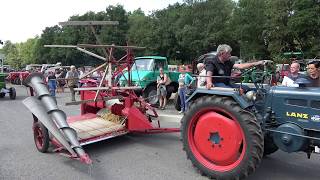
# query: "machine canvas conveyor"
(97, 121)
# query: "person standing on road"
(220, 65)
(72, 78)
(52, 83)
(161, 88)
(185, 81)
(202, 73)
(60, 79)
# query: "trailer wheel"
(12, 93)
(41, 137)
(177, 102)
(269, 145)
(222, 140)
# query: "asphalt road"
(133, 157)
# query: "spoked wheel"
(222, 140)
(12, 93)
(41, 137)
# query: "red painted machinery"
(17, 77)
(107, 111)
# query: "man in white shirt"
(292, 76)
(202, 75)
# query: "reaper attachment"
(45, 108)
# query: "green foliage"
(249, 21)
(255, 29)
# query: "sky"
(24, 19)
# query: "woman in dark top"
(161, 88)
(60, 80)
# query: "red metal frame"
(133, 108)
(21, 75)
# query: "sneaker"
(180, 112)
(163, 108)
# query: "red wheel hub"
(216, 140)
(38, 137)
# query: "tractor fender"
(218, 91)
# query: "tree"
(250, 20)
(12, 54)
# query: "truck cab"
(144, 73)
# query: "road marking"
(170, 117)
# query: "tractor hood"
(296, 105)
(296, 92)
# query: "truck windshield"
(143, 65)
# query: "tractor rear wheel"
(12, 93)
(222, 140)
(41, 137)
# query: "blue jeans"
(52, 87)
(244, 87)
(183, 98)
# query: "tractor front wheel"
(41, 137)
(269, 145)
(222, 140)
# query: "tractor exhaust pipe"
(52, 117)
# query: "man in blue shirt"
(185, 81)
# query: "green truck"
(144, 73)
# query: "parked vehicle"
(144, 73)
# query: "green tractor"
(263, 74)
(226, 133)
(3, 90)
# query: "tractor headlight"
(251, 95)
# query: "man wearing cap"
(72, 78)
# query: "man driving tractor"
(220, 65)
